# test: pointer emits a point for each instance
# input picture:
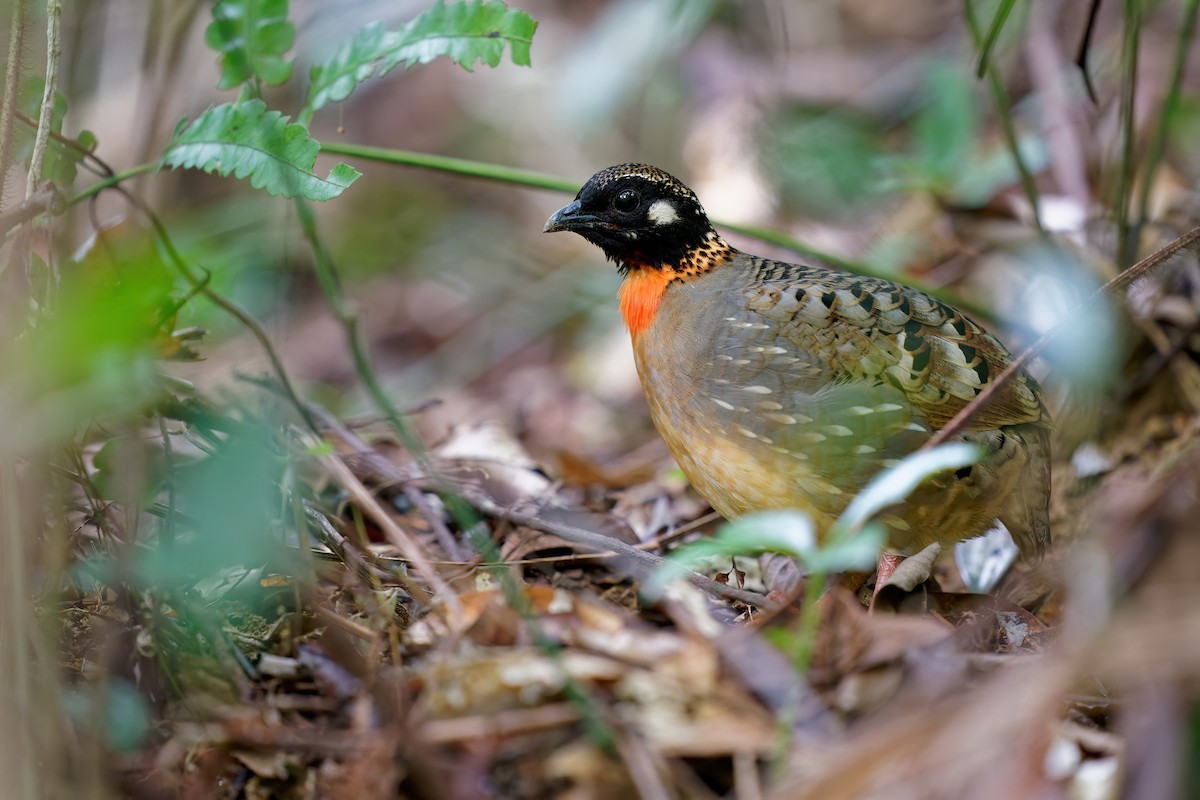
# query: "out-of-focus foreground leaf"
(251, 36)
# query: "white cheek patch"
(662, 212)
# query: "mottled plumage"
(781, 385)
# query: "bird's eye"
(626, 201)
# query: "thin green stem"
(540, 180)
(810, 621)
(226, 305)
(332, 288)
(1158, 144)
(458, 166)
(116, 179)
(1129, 69)
(1004, 113)
(993, 34)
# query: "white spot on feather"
(662, 212)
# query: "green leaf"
(788, 532)
(246, 140)
(231, 502)
(93, 356)
(466, 32)
(824, 160)
(121, 713)
(894, 484)
(61, 161)
(251, 36)
(945, 130)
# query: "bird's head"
(641, 217)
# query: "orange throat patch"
(640, 295)
(644, 284)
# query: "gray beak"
(569, 218)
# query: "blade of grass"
(1004, 114)
(1126, 249)
(1158, 144)
(989, 42)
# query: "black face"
(636, 214)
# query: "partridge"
(788, 386)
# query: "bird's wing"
(877, 331)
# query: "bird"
(789, 386)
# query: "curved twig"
(1156, 259)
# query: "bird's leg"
(887, 565)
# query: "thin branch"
(12, 84)
(1188, 240)
(1085, 44)
(1158, 144)
(637, 563)
(369, 505)
(40, 202)
(86, 155)
(49, 95)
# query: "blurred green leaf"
(61, 161)
(895, 484)
(852, 543)
(947, 156)
(788, 532)
(251, 36)
(945, 130)
(466, 32)
(824, 159)
(1185, 127)
(129, 469)
(232, 498)
(627, 47)
(93, 354)
(124, 716)
(246, 140)
(1087, 353)
(848, 550)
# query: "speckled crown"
(646, 172)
